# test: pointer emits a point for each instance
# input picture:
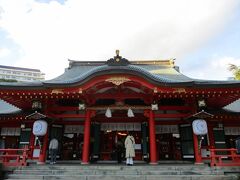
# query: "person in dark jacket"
(238, 145)
(53, 148)
(120, 149)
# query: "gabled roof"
(159, 72)
(233, 107)
(6, 108)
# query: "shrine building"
(93, 104)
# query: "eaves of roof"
(78, 75)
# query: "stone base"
(41, 163)
(84, 163)
(198, 163)
(153, 163)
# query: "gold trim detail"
(125, 107)
(80, 91)
(57, 91)
(155, 90)
(179, 90)
(117, 80)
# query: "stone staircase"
(122, 172)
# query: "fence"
(14, 157)
(229, 157)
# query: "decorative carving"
(117, 80)
(80, 90)
(179, 90)
(118, 60)
(155, 90)
(57, 91)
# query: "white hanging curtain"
(130, 113)
(108, 113)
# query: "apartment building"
(20, 74)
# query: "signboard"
(74, 129)
(162, 129)
(121, 126)
(138, 146)
(199, 127)
(36, 153)
(40, 128)
(232, 130)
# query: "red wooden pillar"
(197, 153)
(211, 136)
(31, 145)
(152, 138)
(86, 140)
(43, 150)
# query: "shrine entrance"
(106, 138)
(108, 149)
(168, 146)
(72, 146)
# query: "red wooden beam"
(180, 108)
(120, 95)
(118, 120)
(180, 115)
(63, 108)
(67, 115)
(72, 108)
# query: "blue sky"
(225, 44)
(203, 36)
(48, 1)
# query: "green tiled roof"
(157, 72)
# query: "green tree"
(236, 71)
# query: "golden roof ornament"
(117, 57)
(118, 60)
(117, 52)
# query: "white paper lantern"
(199, 127)
(40, 128)
(108, 113)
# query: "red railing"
(231, 158)
(14, 157)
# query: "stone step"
(124, 177)
(116, 168)
(118, 172)
(120, 167)
(123, 172)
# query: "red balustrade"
(14, 157)
(231, 158)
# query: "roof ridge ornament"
(118, 60)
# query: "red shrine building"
(93, 104)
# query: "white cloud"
(93, 29)
(4, 52)
(214, 69)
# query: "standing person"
(238, 145)
(53, 148)
(120, 150)
(130, 149)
